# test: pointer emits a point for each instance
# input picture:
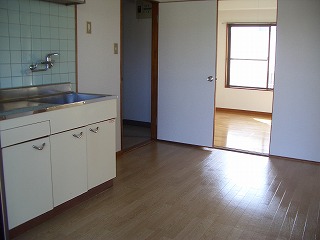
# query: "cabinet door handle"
(94, 130)
(39, 147)
(78, 135)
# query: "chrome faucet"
(48, 63)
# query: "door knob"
(210, 79)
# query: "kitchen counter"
(18, 102)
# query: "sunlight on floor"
(248, 141)
(242, 131)
(266, 121)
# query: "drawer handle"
(39, 147)
(94, 130)
(78, 135)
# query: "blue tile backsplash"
(29, 30)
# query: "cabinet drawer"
(24, 133)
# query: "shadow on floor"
(134, 135)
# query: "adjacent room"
(246, 40)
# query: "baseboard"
(295, 159)
(119, 153)
(247, 112)
(136, 123)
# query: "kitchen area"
(48, 116)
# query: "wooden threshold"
(136, 123)
(242, 151)
(142, 144)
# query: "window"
(251, 56)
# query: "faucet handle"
(48, 58)
(53, 54)
(49, 61)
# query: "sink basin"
(67, 98)
(9, 106)
(25, 101)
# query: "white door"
(187, 56)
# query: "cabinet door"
(69, 165)
(101, 152)
(27, 176)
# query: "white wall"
(237, 12)
(98, 67)
(295, 124)
(136, 69)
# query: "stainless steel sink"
(9, 106)
(67, 98)
(24, 101)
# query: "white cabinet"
(82, 158)
(69, 165)
(27, 176)
(101, 152)
(78, 154)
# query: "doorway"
(243, 114)
(139, 68)
(136, 76)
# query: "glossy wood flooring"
(242, 130)
(169, 191)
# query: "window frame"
(228, 52)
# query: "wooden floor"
(171, 191)
(242, 130)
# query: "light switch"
(115, 48)
(89, 27)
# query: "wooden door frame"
(154, 69)
(215, 78)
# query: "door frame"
(154, 69)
